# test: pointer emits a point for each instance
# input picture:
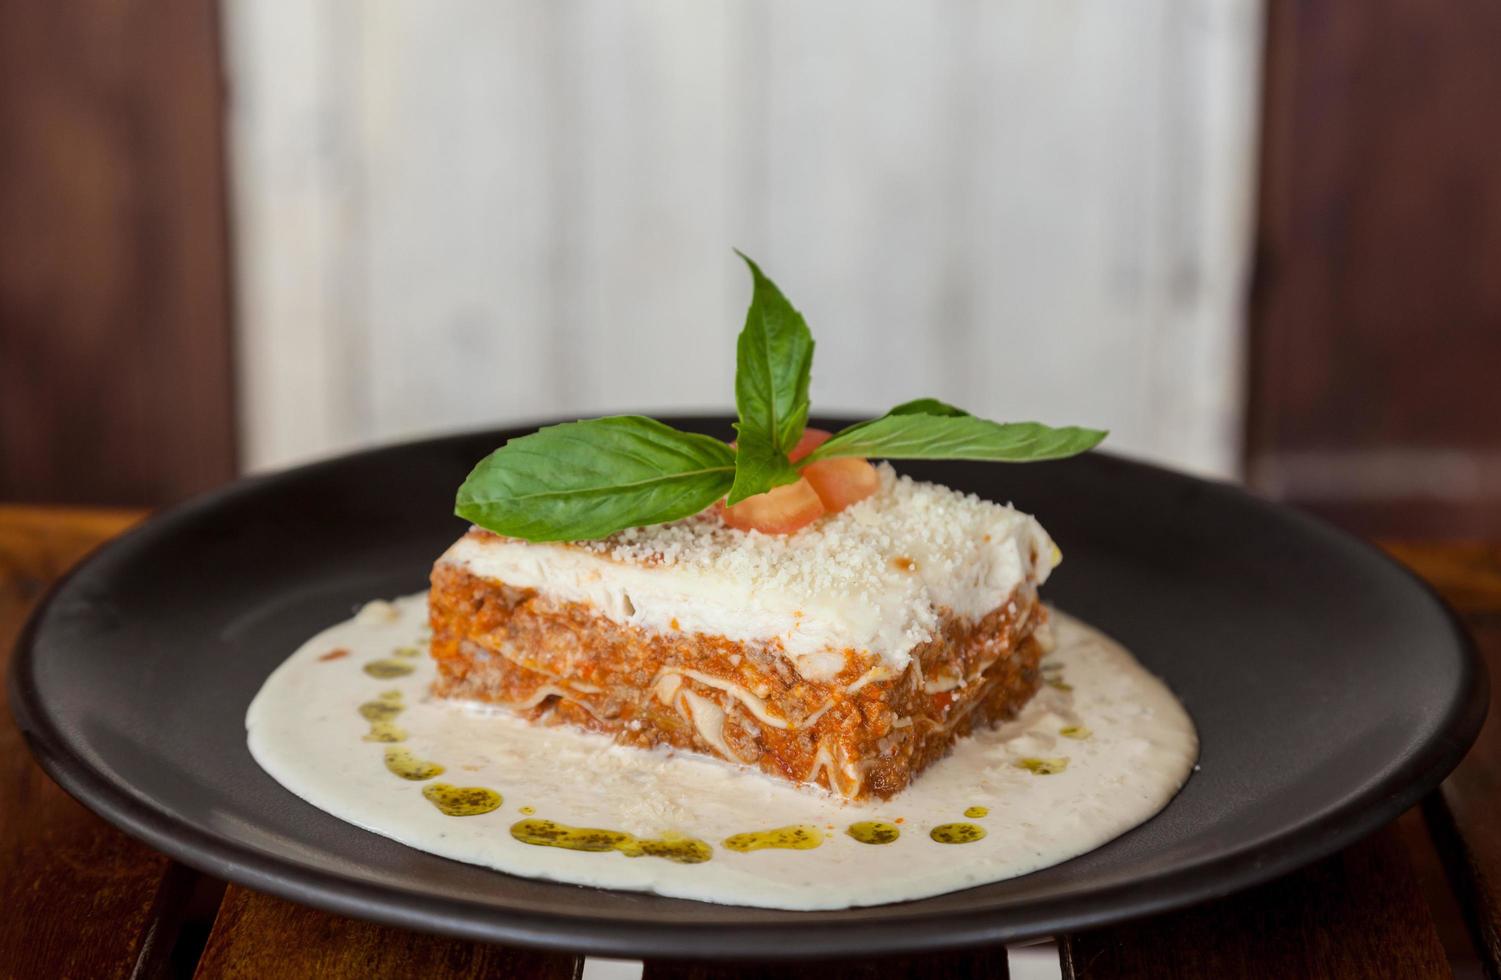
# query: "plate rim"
(815, 937)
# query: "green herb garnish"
(589, 479)
(773, 361)
(583, 480)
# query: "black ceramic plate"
(1330, 688)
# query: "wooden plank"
(115, 381)
(1357, 914)
(1375, 312)
(257, 937)
(1463, 817)
(453, 214)
(80, 899)
(1443, 904)
(984, 964)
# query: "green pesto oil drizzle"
(462, 801)
(385, 731)
(407, 653)
(1043, 767)
(406, 765)
(1075, 731)
(797, 837)
(673, 847)
(381, 714)
(380, 710)
(386, 669)
(957, 833)
(976, 812)
(873, 832)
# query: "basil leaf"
(759, 469)
(926, 406)
(773, 361)
(589, 479)
(916, 436)
(918, 406)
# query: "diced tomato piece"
(811, 440)
(842, 481)
(827, 486)
(780, 510)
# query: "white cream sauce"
(1133, 747)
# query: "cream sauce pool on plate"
(347, 724)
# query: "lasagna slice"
(849, 655)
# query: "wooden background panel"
(440, 234)
(459, 214)
(1376, 321)
(115, 381)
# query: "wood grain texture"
(1449, 917)
(1463, 817)
(1357, 914)
(115, 383)
(79, 898)
(983, 964)
(1376, 312)
(257, 937)
(459, 214)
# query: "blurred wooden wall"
(1375, 395)
(115, 375)
(454, 213)
(1375, 317)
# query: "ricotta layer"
(868, 580)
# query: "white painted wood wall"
(457, 214)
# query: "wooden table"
(1420, 898)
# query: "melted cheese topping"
(868, 580)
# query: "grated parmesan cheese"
(835, 585)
